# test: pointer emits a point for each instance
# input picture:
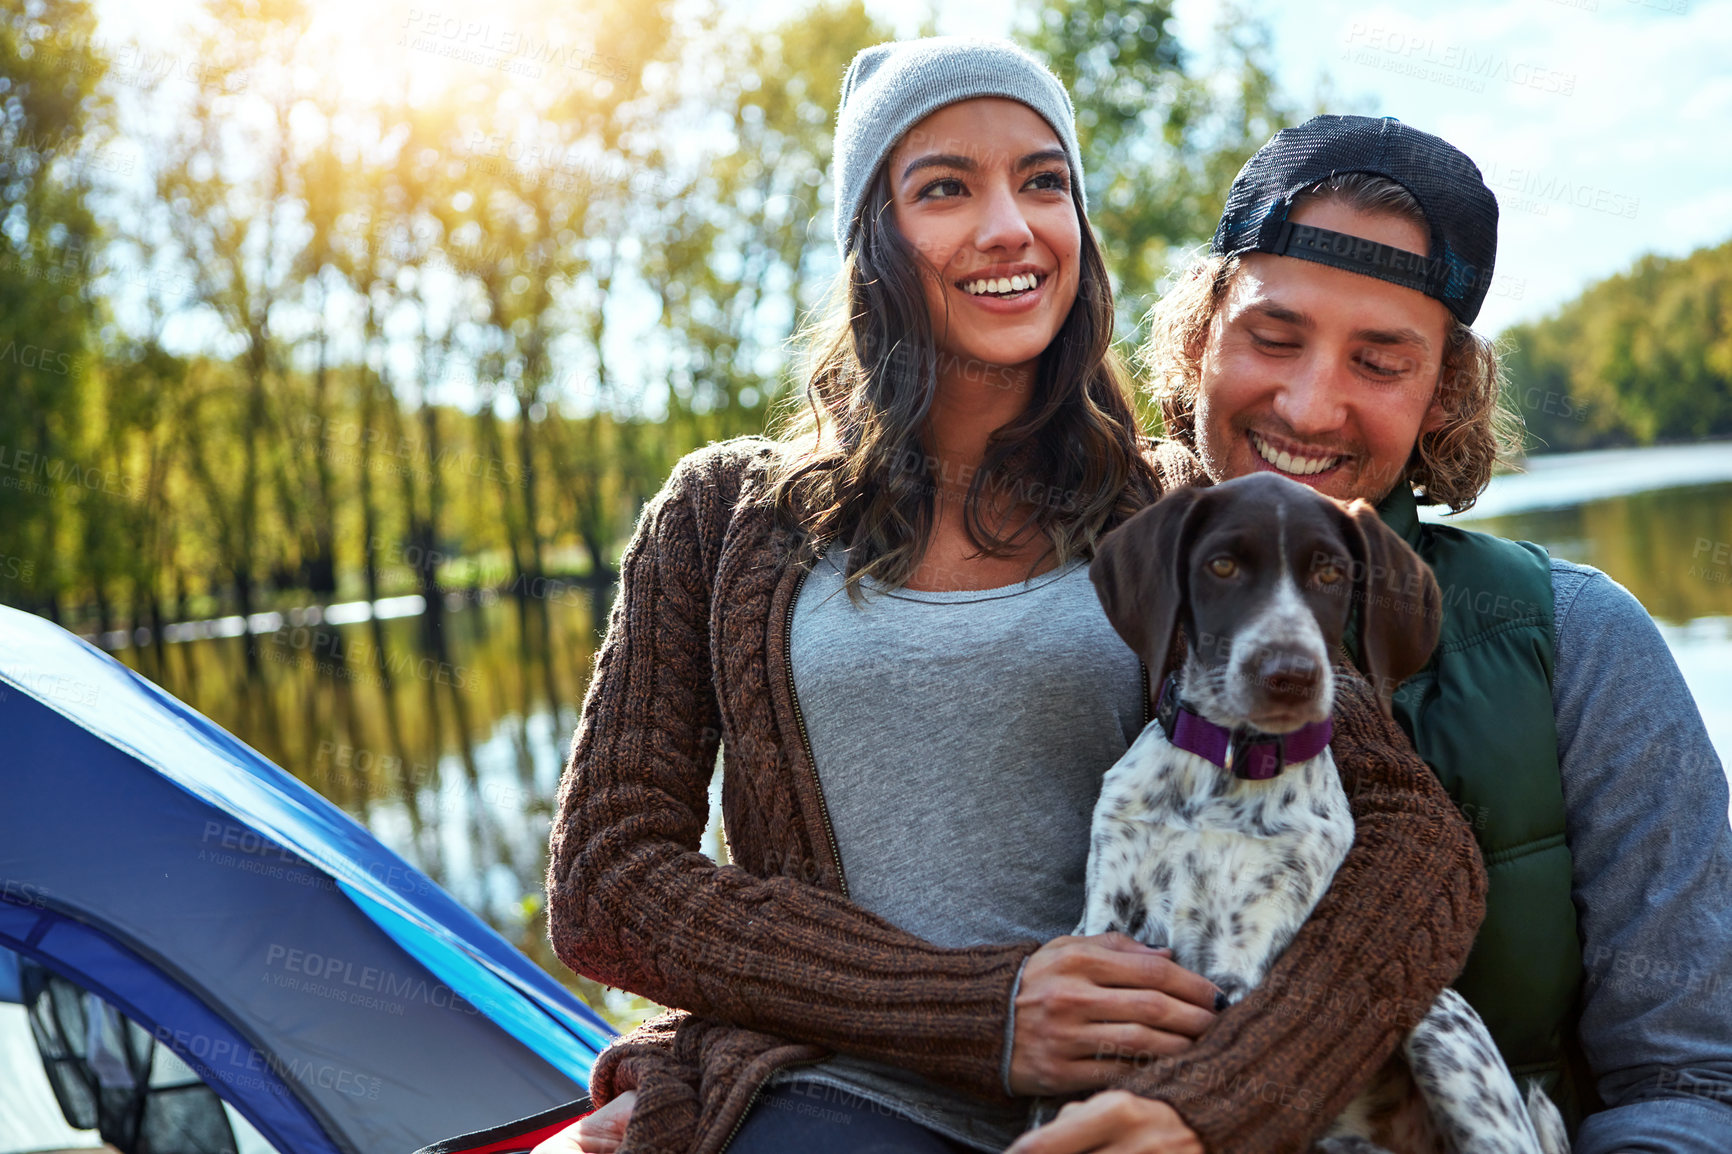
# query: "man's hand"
(1089, 1005)
(597, 1133)
(1112, 1122)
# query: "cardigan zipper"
(744, 1114)
(805, 739)
(753, 1100)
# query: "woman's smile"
(1004, 292)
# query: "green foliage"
(51, 136)
(1640, 357)
(745, 234)
(354, 268)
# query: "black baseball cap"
(1460, 209)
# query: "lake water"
(1657, 521)
(453, 760)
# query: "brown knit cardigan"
(771, 964)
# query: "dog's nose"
(1291, 677)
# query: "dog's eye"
(1327, 573)
(1223, 566)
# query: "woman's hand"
(1112, 1122)
(597, 1133)
(1087, 1006)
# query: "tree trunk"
(320, 567)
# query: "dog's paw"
(1233, 986)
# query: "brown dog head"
(1260, 575)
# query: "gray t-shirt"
(960, 739)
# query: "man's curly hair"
(1450, 465)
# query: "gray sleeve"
(1646, 807)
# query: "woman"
(865, 595)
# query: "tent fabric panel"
(523, 1019)
(398, 1057)
(11, 982)
(227, 1061)
(127, 711)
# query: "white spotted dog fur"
(1225, 870)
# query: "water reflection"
(1672, 548)
(1661, 546)
(443, 734)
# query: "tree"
(744, 233)
(54, 124)
(1161, 137)
(224, 180)
(1639, 357)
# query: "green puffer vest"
(1480, 714)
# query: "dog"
(1221, 827)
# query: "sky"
(1601, 125)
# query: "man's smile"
(1295, 462)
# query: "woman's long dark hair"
(855, 469)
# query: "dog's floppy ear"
(1400, 608)
(1138, 573)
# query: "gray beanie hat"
(889, 88)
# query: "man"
(1325, 337)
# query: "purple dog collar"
(1248, 753)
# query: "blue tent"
(327, 990)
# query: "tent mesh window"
(111, 1076)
